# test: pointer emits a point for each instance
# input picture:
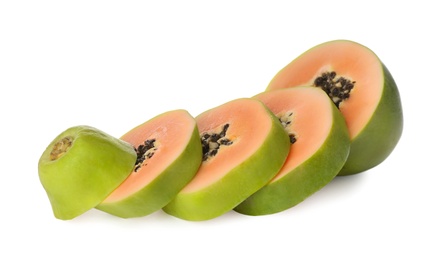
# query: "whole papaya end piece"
(169, 153)
(319, 150)
(81, 167)
(244, 146)
(362, 88)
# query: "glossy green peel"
(80, 167)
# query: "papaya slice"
(244, 145)
(319, 149)
(168, 155)
(81, 167)
(361, 87)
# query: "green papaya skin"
(90, 169)
(380, 136)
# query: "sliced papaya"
(319, 148)
(81, 167)
(244, 145)
(363, 89)
(168, 155)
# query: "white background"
(116, 64)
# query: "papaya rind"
(163, 188)
(91, 169)
(379, 137)
(307, 178)
(238, 184)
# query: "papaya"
(361, 87)
(169, 153)
(81, 167)
(243, 147)
(319, 148)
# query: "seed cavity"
(144, 152)
(337, 88)
(286, 120)
(61, 147)
(212, 142)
